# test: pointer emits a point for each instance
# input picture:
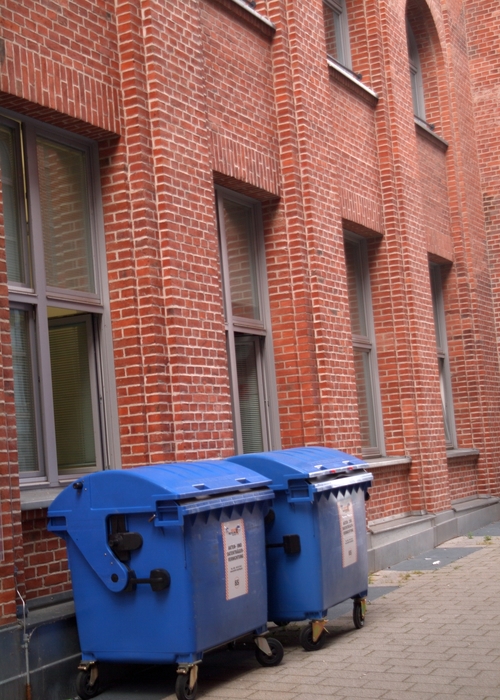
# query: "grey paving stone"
(425, 690)
(435, 637)
(221, 691)
(270, 695)
(410, 695)
(361, 693)
(308, 690)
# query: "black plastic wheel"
(83, 687)
(182, 687)
(357, 615)
(277, 652)
(306, 639)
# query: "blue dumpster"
(167, 562)
(315, 535)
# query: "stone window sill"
(379, 462)
(425, 129)
(350, 79)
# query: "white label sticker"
(348, 532)
(235, 558)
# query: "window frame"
(367, 343)
(443, 358)
(38, 297)
(416, 80)
(341, 29)
(259, 329)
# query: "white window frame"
(258, 329)
(37, 298)
(435, 272)
(366, 344)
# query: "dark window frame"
(41, 302)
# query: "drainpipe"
(25, 646)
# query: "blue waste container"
(167, 562)
(315, 535)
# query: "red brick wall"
(241, 115)
(354, 129)
(435, 196)
(318, 303)
(188, 92)
(476, 384)
(45, 559)
(463, 478)
(483, 27)
(62, 57)
(389, 494)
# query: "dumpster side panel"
(139, 625)
(294, 580)
(333, 563)
(228, 579)
(342, 525)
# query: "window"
(417, 89)
(57, 294)
(363, 340)
(442, 355)
(246, 308)
(337, 32)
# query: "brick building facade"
(249, 227)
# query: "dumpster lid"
(140, 488)
(283, 466)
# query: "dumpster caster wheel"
(358, 614)
(84, 688)
(182, 688)
(306, 639)
(276, 657)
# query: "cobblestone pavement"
(435, 633)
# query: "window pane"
(355, 289)
(71, 389)
(336, 32)
(248, 393)
(365, 398)
(415, 74)
(444, 403)
(329, 15)
(10, 201)
(241, 259)
(65, 217)
(23, 392)
(437, 296)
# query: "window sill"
(460, 453)
(265, 23)
(33, 499)
(427, 131)
(379, 462)
(352, 80)
(462, 505)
